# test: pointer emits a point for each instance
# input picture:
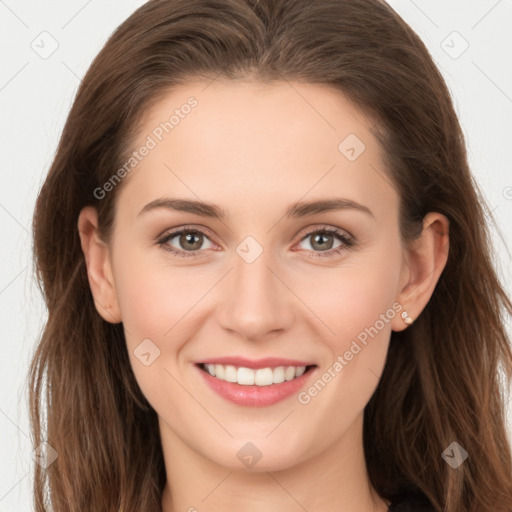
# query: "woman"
(331, 338)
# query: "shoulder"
(411, 502)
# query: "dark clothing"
(411, 502)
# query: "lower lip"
(255, 396)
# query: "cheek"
(145, 301)
(152, 304)
(152, 296)
(159, 302)
(357, 308)
(353, 299)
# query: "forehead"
(251, 113)
(254, 143)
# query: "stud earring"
(407, 319)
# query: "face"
(269, 278)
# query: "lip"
(255, 396)
(255, 364)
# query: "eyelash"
(347, 242)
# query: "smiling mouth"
(255, 377)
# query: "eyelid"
(191, 227)
(203, 229)
(325, 227)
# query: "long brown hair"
(441, 383)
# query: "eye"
(324, 239)
(189, 239)
(190, 242)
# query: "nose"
(256, 303)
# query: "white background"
(35, 97)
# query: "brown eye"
(323, 240)
(189, 242)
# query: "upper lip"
(267, 362)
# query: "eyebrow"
(296, 210)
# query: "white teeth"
(263, 377)
(278, 375)
(219, 371)
(230, 374)
(289, 373)
(259, 377)
(245, 376)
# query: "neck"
(335, 480)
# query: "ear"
(99, 268)
(424, 261)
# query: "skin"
(254, 149)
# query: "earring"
(407, 318)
